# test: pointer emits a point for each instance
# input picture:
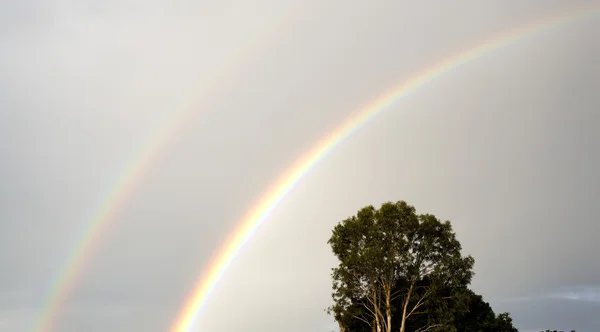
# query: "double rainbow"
(72, 270)
(73, 267)
(257, 216)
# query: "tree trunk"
(406, 301)
(388, 308)
(376, 310)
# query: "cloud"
(505, 148)
(577, 293)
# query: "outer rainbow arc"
(257, 215)
(127, 182)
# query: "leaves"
(393, 261)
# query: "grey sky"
(506, 147)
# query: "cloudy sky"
(505, 146)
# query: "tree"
(479, 316)
(467, 312)
(363, 273)
(398, 263)
(351, 318)
(504, 323)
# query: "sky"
(505, 147)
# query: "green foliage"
(408, 268)
(478, 316)
(467, 312)
(503, 323)
(395, 264)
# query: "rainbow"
(257, 215)
(72, 269)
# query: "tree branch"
(419, 312)
(420, 302)
(369, 309)
(427, 328)
(362, 319)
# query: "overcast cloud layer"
(506, 147)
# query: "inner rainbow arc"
(254, 219)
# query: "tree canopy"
(403, 271)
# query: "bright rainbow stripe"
(135, 172)
(254, 219)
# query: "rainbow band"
(72, 270)
(253, 220)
